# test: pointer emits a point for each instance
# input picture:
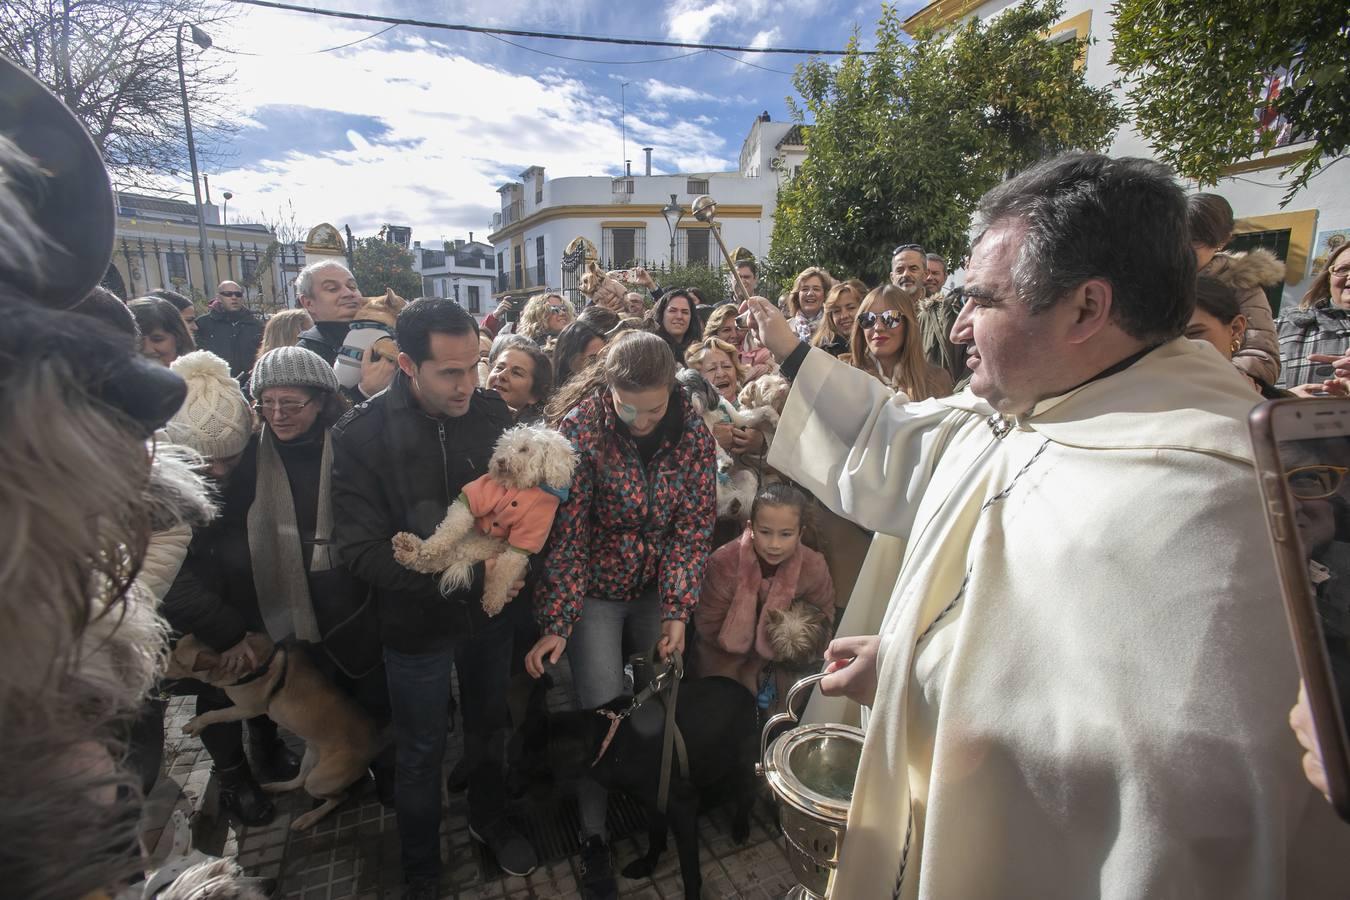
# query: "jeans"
(602, 639)
(419, 697)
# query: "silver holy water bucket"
(811, 770)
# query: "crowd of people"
(1067, 698)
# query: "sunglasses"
(888, 319)
(903, 247)
(231, 293)
(554, 310)
(1315, 482)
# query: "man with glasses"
(1080, 681)
(230, 330)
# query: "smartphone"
(1302, 452)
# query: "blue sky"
(420, 127)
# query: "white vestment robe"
(1085, 673)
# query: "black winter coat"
(396, 468)
(234, 337)
(215, 597)
(325, 339)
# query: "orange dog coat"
(520, 516)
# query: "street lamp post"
(672, 212)
(203, 40)
(225, 223)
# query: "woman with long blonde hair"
(841, 308)
(885, 342)
(806, 300)
(283, 330)
(545, 316)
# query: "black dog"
(717, 718)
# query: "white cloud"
(691, 20)
(767, 38)
(660, 91)
(456, 129)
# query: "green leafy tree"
(1196, 76)
(378, 264)
(902, 144)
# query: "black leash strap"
(672, 743)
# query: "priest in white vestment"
(1081, 683)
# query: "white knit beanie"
(215, 419)
(292, 367)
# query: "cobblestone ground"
(354, 852)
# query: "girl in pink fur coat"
(767, 607)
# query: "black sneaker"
(241, 797)
(597, 871)
(272, 759)
(421, 889)
(514, 854)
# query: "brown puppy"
(340, 739)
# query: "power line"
(736, 59)
(600, 62)
(550, 35)
(312, 52)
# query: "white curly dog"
(504, 516)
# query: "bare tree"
(114, 63)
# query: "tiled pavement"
(354, 852)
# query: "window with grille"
(177, 263)
(248, 269)
(540, 276)
(699, 248)
(519, 267)
(623, 185)
(475, 304)
(623, 247)
(697, 186)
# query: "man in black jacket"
(230, 330)
(328, 292)
(399, 460)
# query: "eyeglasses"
(888, 319)
(903, 247)
(810, 289)
(231, 293)
(554, 310)
(281, 407)
(1339, 271)
(1315, 482)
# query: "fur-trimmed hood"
(1244, 271)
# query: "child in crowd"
(767, 607)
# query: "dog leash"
(667, 685)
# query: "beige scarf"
(274, 544)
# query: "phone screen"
(1316, 471)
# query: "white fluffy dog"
(504, 516)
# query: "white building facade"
(1296, 233)
(461, 270)
(548, 228)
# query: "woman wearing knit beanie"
(215, 419)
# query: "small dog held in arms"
(371, 334)
(602, 288)
(798, 635)
(340, 739)
(505, 515)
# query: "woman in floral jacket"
(628, 548)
